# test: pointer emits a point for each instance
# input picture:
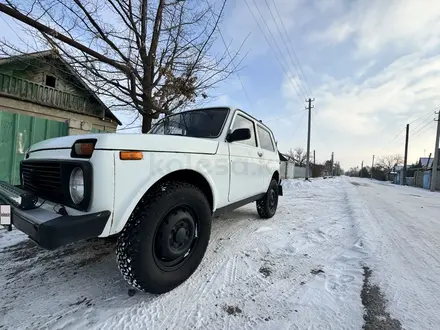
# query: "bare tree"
(299, 155)
(150, 56)
(388, 162)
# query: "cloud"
(373, 25)
(365, 115)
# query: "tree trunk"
(146, 123)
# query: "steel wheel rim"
(175, 238)
(273, 200)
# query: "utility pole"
(333, 154)
(372, 165)
(314, 158)
(362, 167)
(308, 137)
(435, 162)
(403, 181)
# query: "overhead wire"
(430, 122)
(238, 75)
(270, 46)
(299, 124)
(292, 114)
(315, 119)
(293, 49)
(423, 131)
(396, 135)
(287, 48)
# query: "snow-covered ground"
(302, 269)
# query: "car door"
(270, 160)
(245, 180)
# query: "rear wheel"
(267, 205)
(166, 238)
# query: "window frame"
(274, 149)
(245, 116)
(226, 109)
(50, 76)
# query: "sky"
(371, 67)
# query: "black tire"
(172, 218)
(267, 205)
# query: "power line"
(268, 42)
(293, 49)
(292, 114)
(422, 116)
(238, 75)
(276, 44)
(319, 128)
(396, 135)
(420, 130)
(424, 121)
(285, 45)
(426, 130)
(299, 124)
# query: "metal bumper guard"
(47, 228)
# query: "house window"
(50, 81)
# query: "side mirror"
(239, 134)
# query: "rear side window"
(265, 139)
(242, 122)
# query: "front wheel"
(267, 205)
(166, 238)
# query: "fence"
(422, 179)
(290, 171)
(17, 133)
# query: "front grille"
(44, 179)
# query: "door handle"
(260, 153)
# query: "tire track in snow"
(402, 234)
(305, 234)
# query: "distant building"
(427, 161)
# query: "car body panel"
(118, 185)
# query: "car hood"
(141, 142)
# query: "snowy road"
(302, 269)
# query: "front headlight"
(76, 185)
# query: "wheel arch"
(276, 176)
(201, 180)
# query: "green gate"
(17, 133)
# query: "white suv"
(157, 192)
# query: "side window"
(265, 139)
(242, 122)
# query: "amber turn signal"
(84, 149)
(131, 155)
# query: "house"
(290, 169)
(41, 97)
(287, 166)
(427, 161)
(395, 174)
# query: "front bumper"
(47, 228)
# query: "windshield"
(203, 123)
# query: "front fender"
(133, 178)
